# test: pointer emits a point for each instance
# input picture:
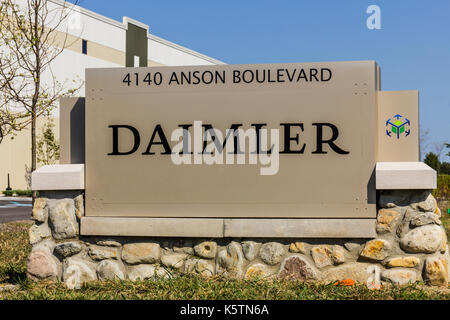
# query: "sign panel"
(398, 126)
(257, 141)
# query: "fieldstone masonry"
(411, 245)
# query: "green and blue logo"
(397, 125)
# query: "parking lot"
(15, 209)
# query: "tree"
(432, 160)
(447, 145)
(31, 39)
(438, 148)
(444, 168)
(47, 145)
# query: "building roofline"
(124, 26)
(90, 13)
(127, 20)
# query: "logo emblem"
(397, 125)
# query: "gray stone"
(174, 260)
(376, 249)
(63, 221)
(109, 270)
(41, 264)
(444, 242)
(353, 247)
(40, 210)
(47, 245)
(102, 253)
(206, 249)
(250, 249)
(402, 261)
(426, 205)
(298, 247)
(258, 271)
(204, 268)
(272, 253)
(76, 272)
(135, 253)
(436, 271)
(79, 206)
(109, 243)
(184, 246)
(322, 256)
(424, 219)
(325, 255)
(387, 220)
(338, 255)
(425, 239)
(230, 261)
(67, 249)
(38, 232)
(147, 271)
(403, 227)
(356, 271)
(297, 267)
(399, 276)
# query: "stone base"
(410, 245)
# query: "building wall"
(106, 48)
(15, 155)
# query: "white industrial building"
(95, 42)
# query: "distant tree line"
(433, 161)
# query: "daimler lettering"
(326, 139)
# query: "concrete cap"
(58, 177)
(404, 175)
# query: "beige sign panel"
(398, 126)
(325, 114)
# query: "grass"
(191, 287)
(445, 219)
(14, 249)
(24, 193)
(442, 195)
(443, 187)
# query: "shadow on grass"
(10, 274)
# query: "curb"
(15, 198)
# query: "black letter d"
(137, 140)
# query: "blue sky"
(412, 47)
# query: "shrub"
(26, 193)
(432, 160)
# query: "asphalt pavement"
(14, 209)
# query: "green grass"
(14, 249)
(445, 219)
(443, 187)
(25, 193)
(192, 287)
(442, 195)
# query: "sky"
(412, 47)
